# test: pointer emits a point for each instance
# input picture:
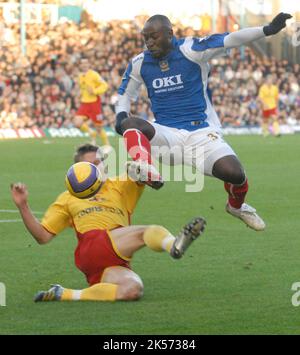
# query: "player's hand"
(277, 24)
(19, 193)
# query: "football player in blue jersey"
(175, 73)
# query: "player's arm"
(19, 194)
(128, 91)
(277, 96)
(261, 93)
(262, 96)
(101, 86)
(247, 35)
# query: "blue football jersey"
(177, 84)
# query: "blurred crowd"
(235, 85)
(40, 90)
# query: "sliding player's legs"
(117, 281)
(128, 240)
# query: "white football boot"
(248, 215)
(144, 173)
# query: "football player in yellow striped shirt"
(92, 86)
(106, 240)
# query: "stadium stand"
(40, 91)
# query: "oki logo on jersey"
(166, 82)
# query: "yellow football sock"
(265, 129)
(93, 134)
(158, 238)
(85, 128)
(104, 138)
(276, 128)
(98, 292)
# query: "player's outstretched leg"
(53, 294)
(99, 292)
(137, 135)
(153, 177)
(230, 170)
(144, 173)
(238, 208)
(188, 234)
(139, 148)
(159, 238)
(117, 284)
(248, 215)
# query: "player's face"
(92, 157)
(269, 80)
(84, 65)
(158, 39)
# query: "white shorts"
(200, 148)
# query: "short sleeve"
(57, 217)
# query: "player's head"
(269, 79)
(92, 154)
(158, 34)
(84, 64)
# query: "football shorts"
(200, 148)
(92, 110)
(95, 252)
(268, 113)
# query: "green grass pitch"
(231, 281)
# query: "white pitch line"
(16, 211)
(10, 220)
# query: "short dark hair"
(83, 149)
(162, 19)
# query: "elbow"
(103, 88)
(42, 241)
